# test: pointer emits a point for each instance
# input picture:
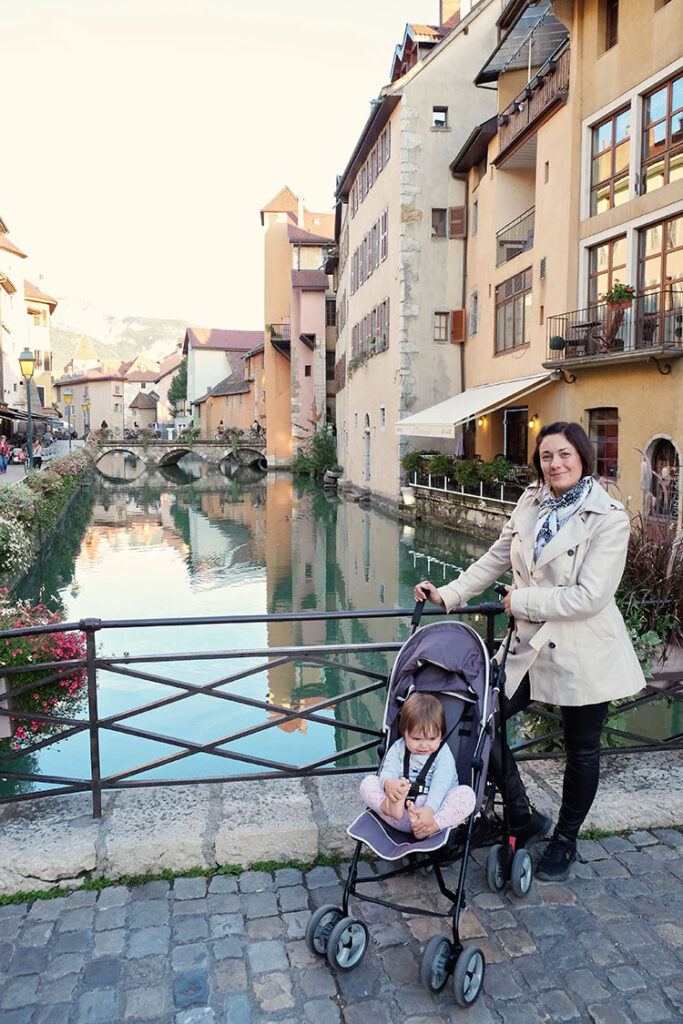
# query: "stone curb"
(55, 841)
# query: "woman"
(566, 541)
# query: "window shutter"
(458, 326)
(388, 140)
(457, 221)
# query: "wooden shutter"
(458, 326)
(388, 140)
(457, 221)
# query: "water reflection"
(202, 543)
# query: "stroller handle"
(417, 614)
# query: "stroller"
(451, 661)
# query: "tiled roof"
(8, 245)
(84, 349)
(169, 365)
(31, 292)
(426, 31)
(141, 375)
(313, 280)
(319, 223)
(284, 202)
(143, 401)
(229, 386)
(91, 376)
(301, 237)
(210, 338)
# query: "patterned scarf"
(554, 512)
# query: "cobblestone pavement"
(605, 947)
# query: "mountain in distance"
(112, 337)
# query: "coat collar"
(572, 533)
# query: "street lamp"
(68, 399)
(27, 364)
(86, 417)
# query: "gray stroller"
(451, 661)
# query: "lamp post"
(27, 364)
(86, 417)
(68, 399)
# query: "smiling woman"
(566, 542)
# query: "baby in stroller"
(417, 789)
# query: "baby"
(441, 802)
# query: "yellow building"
(300, 332)
(574, 188)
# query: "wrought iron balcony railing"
(515, 237)
(651, 324)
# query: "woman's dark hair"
(576, 435)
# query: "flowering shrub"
(63, 697)
(30, 510)
(619, 292)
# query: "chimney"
(301, 212)
(447, 10)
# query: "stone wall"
(473, 516)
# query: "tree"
(177, 391)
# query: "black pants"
(582, 729)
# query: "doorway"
(516, 434)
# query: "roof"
(476, 146)
(8, 245)
(32, 292)
(413, 35)
(230, 386)
(312, 280)
(211, 338)
(90, 377)
(140, 375)
(441, 420)
(254, 351)
(532, 39)
(284, 202)
(169, 365)
(301, 237)
(84, 349)
(143, 401)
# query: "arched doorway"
(366, 473)
(663, 497)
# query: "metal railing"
(333, 711)
(503, 492)
(549, 86)
(280, 332)
(652, 322)
(515, 237)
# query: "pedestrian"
(417, 788)
(256, 427)
(566, 541)
(4, 453)
(219, 431)
(104, 425)
(37, 454)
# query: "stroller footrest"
(390, 843)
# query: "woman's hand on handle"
(426, 591)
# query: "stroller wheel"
(521, 872)
(495, 876)
(320, 927)
(436, 963)
(468, 976)
(347, 943)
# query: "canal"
(186, 542)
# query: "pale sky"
(141, 138)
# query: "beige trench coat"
(569, 634)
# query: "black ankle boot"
(556, 860)
(529, 828)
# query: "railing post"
(89, 626)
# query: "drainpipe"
(464, 281)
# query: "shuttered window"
(457, 221)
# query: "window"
(604, 433)
(474, 313)
(441, 327)
(330, 313)
(39, 359)
(47, 360)
(663, 135)
(329, 364)
(375, 246)
(611, 151)
(606, 264)
(143, 385)
(307, 370)
(439, 223)
(660, 283)
(475, 216)
(117, 389)
(513, 312)
(439, 117)
(117, 407)
(481, 170)
(384, 235)
(611, 23)
(382, 416)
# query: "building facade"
(401, 249)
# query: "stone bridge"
(247, 452)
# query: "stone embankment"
(55, 840)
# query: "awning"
(533, 38)
(441, 420)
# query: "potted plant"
(619, 296)
(334, 472)
(557, 343)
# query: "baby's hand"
(396, 789)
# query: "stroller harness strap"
(419, 786)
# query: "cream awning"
(441, 420)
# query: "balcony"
(280, 337)
(515, 237)
(651, 327)
(547, 89)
